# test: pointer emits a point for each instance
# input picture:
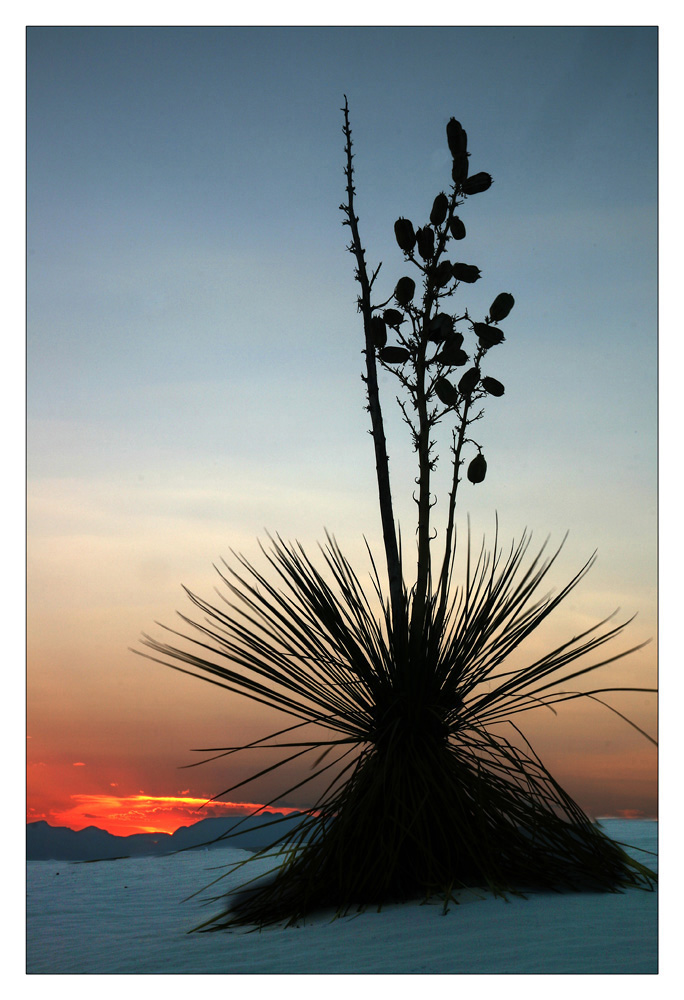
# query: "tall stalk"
(420, 396)
(389, 532)
(423, 361)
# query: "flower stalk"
(389, 531)
(426, 375)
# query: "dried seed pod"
(405, 290)
(440, 207)
(394, 355)
(406, 238)
(454, 340)
(452, 356)
(477, 469)
(501, 306)
(476, 183)
(457, 228)
(425, 238)
(378, 331)
(488, 335)
(492, 386)
(446, 392)
(393, 318)
(442, 274)
(456, 137)
(459, 170)
(440, 327)
(468, 381)
(465, 272)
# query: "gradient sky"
(194, 357)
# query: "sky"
(194, 359)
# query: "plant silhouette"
(405, 697)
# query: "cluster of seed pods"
(429, 243)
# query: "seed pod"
(446, 392)
(459, 170)
(488, 336)
(454, 340)
(425, 239)
(440, 327)
(452, 356)
(457, 228)
(465, 272)
(456, 137)
(405, 290)
(476, 183)
(469, 381)
(477, 469)
(393, 318)
(406, 238)
(492, 386)
(442, 274)
(440, 207)
(394, 355)
(501, 306)
(378, 331)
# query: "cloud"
(124, 815)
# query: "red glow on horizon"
(125, 815)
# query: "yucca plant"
(406, 699)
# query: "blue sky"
(193, 348)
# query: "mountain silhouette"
(59, 843)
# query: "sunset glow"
(145, 813)
(194, 353)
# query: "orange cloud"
(125, 815)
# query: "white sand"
(126, 917)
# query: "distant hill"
(59, 843)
